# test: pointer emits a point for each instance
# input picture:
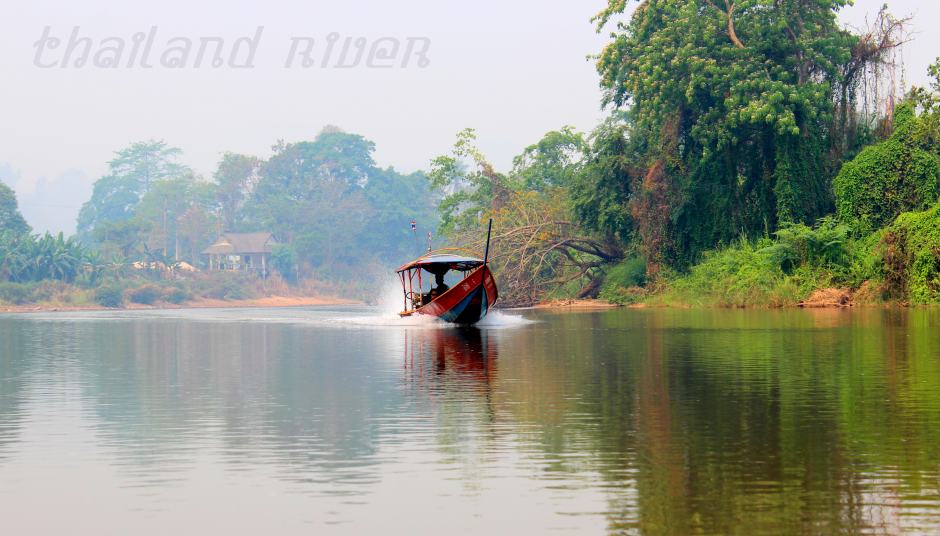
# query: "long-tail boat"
(467, 302)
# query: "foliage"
(743, 274)
(623, 282)
(799, 245)
(911, 256)
(236, 177)
(25, 258)
(602, 187)
(122, 237)
(732, 106)
(629, 273)
(776, 272)
(396, 199)
(897, 175)
(15, 293)
(336, 214)
(177, 295)
(468, 192)
(537, 246)
(10, 218)
(144, 294)
(178, 215)
(150, 206)
(132, 173)
(284, 260)
(335, 208)
(110, 295)
(551, 162)
(226, 286)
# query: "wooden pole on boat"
(486, 252)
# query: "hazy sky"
(511, 69)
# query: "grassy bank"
(829, 264)
(191, 290)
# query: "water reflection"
(660, 422)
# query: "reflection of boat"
(466, 352)
(467, 302)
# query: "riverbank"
(579, 304)
(201, 303)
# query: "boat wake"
(382, 316)
(391, 303)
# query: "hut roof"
(241, 243)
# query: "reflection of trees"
(719, 422)
(14, 367)
(305, 401)
(754, 422)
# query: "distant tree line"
(335, 213)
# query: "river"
(349, 421)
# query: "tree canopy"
(735, 101)
(131, 175)
(10, 218)
(335, 209)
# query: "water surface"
(343, 420)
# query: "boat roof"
(436, 262)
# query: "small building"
(246, 252)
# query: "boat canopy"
(442, 262)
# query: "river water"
(350, 421)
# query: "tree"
(132, 174)
(121, 238)
(334, 210)
(235, 177)
(10, 218)
(395, 200)
(602, 189)
(26, 258)
(897, 175)
(553, 161)
(164, 208)
(468, 192)
(147, 162)
(734, 103)
(537, 245)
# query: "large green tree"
(553, 161)
(180, 212)
(897, 175)
(131, 175)
(734, 100)
(538, 246)
(336, 212)
(235, 177)
(10, 218)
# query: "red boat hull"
(468, 301)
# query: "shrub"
(284, 261)
(897, 175)
(177, 295)
(624, 281)
(51, 291)
(738, 275)
(227, 286)
(109, 296)
(15, 293)
(911, 257)
(146, 294)
(824, 246)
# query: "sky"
(512, 70)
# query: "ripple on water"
(669, 422)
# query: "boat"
(466, 302)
